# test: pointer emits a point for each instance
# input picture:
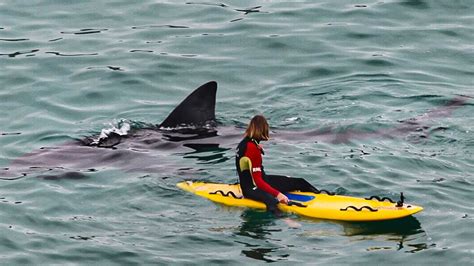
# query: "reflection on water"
(406, 233)
(407, 226)
(256, 225)
(259, 253)
(259, 228)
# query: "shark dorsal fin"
(198, 109)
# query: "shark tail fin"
(198, 109)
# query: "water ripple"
(207, 4)
(160, 26)
(55, 40)
(84, 31)
(358, 72)
(14, 40)
(26, 53)
(66, 55)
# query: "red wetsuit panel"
(254, 154)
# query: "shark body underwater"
(191, 125)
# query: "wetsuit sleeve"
(255, 156)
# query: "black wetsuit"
(255, 184)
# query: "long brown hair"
(258, 128)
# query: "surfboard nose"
(186, 186)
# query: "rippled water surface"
(388, 81)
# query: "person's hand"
(282, 198)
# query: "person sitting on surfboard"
(255, 184)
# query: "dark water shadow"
(186, 134)
(61, 176)
(206, 153)
(256, 225)
(46, 173)
(416, 4)
(407, 233)
(403, 227)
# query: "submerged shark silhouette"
(191, 125)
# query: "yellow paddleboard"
(321, 206)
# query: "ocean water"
(69, 69)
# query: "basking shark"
(189, 129)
